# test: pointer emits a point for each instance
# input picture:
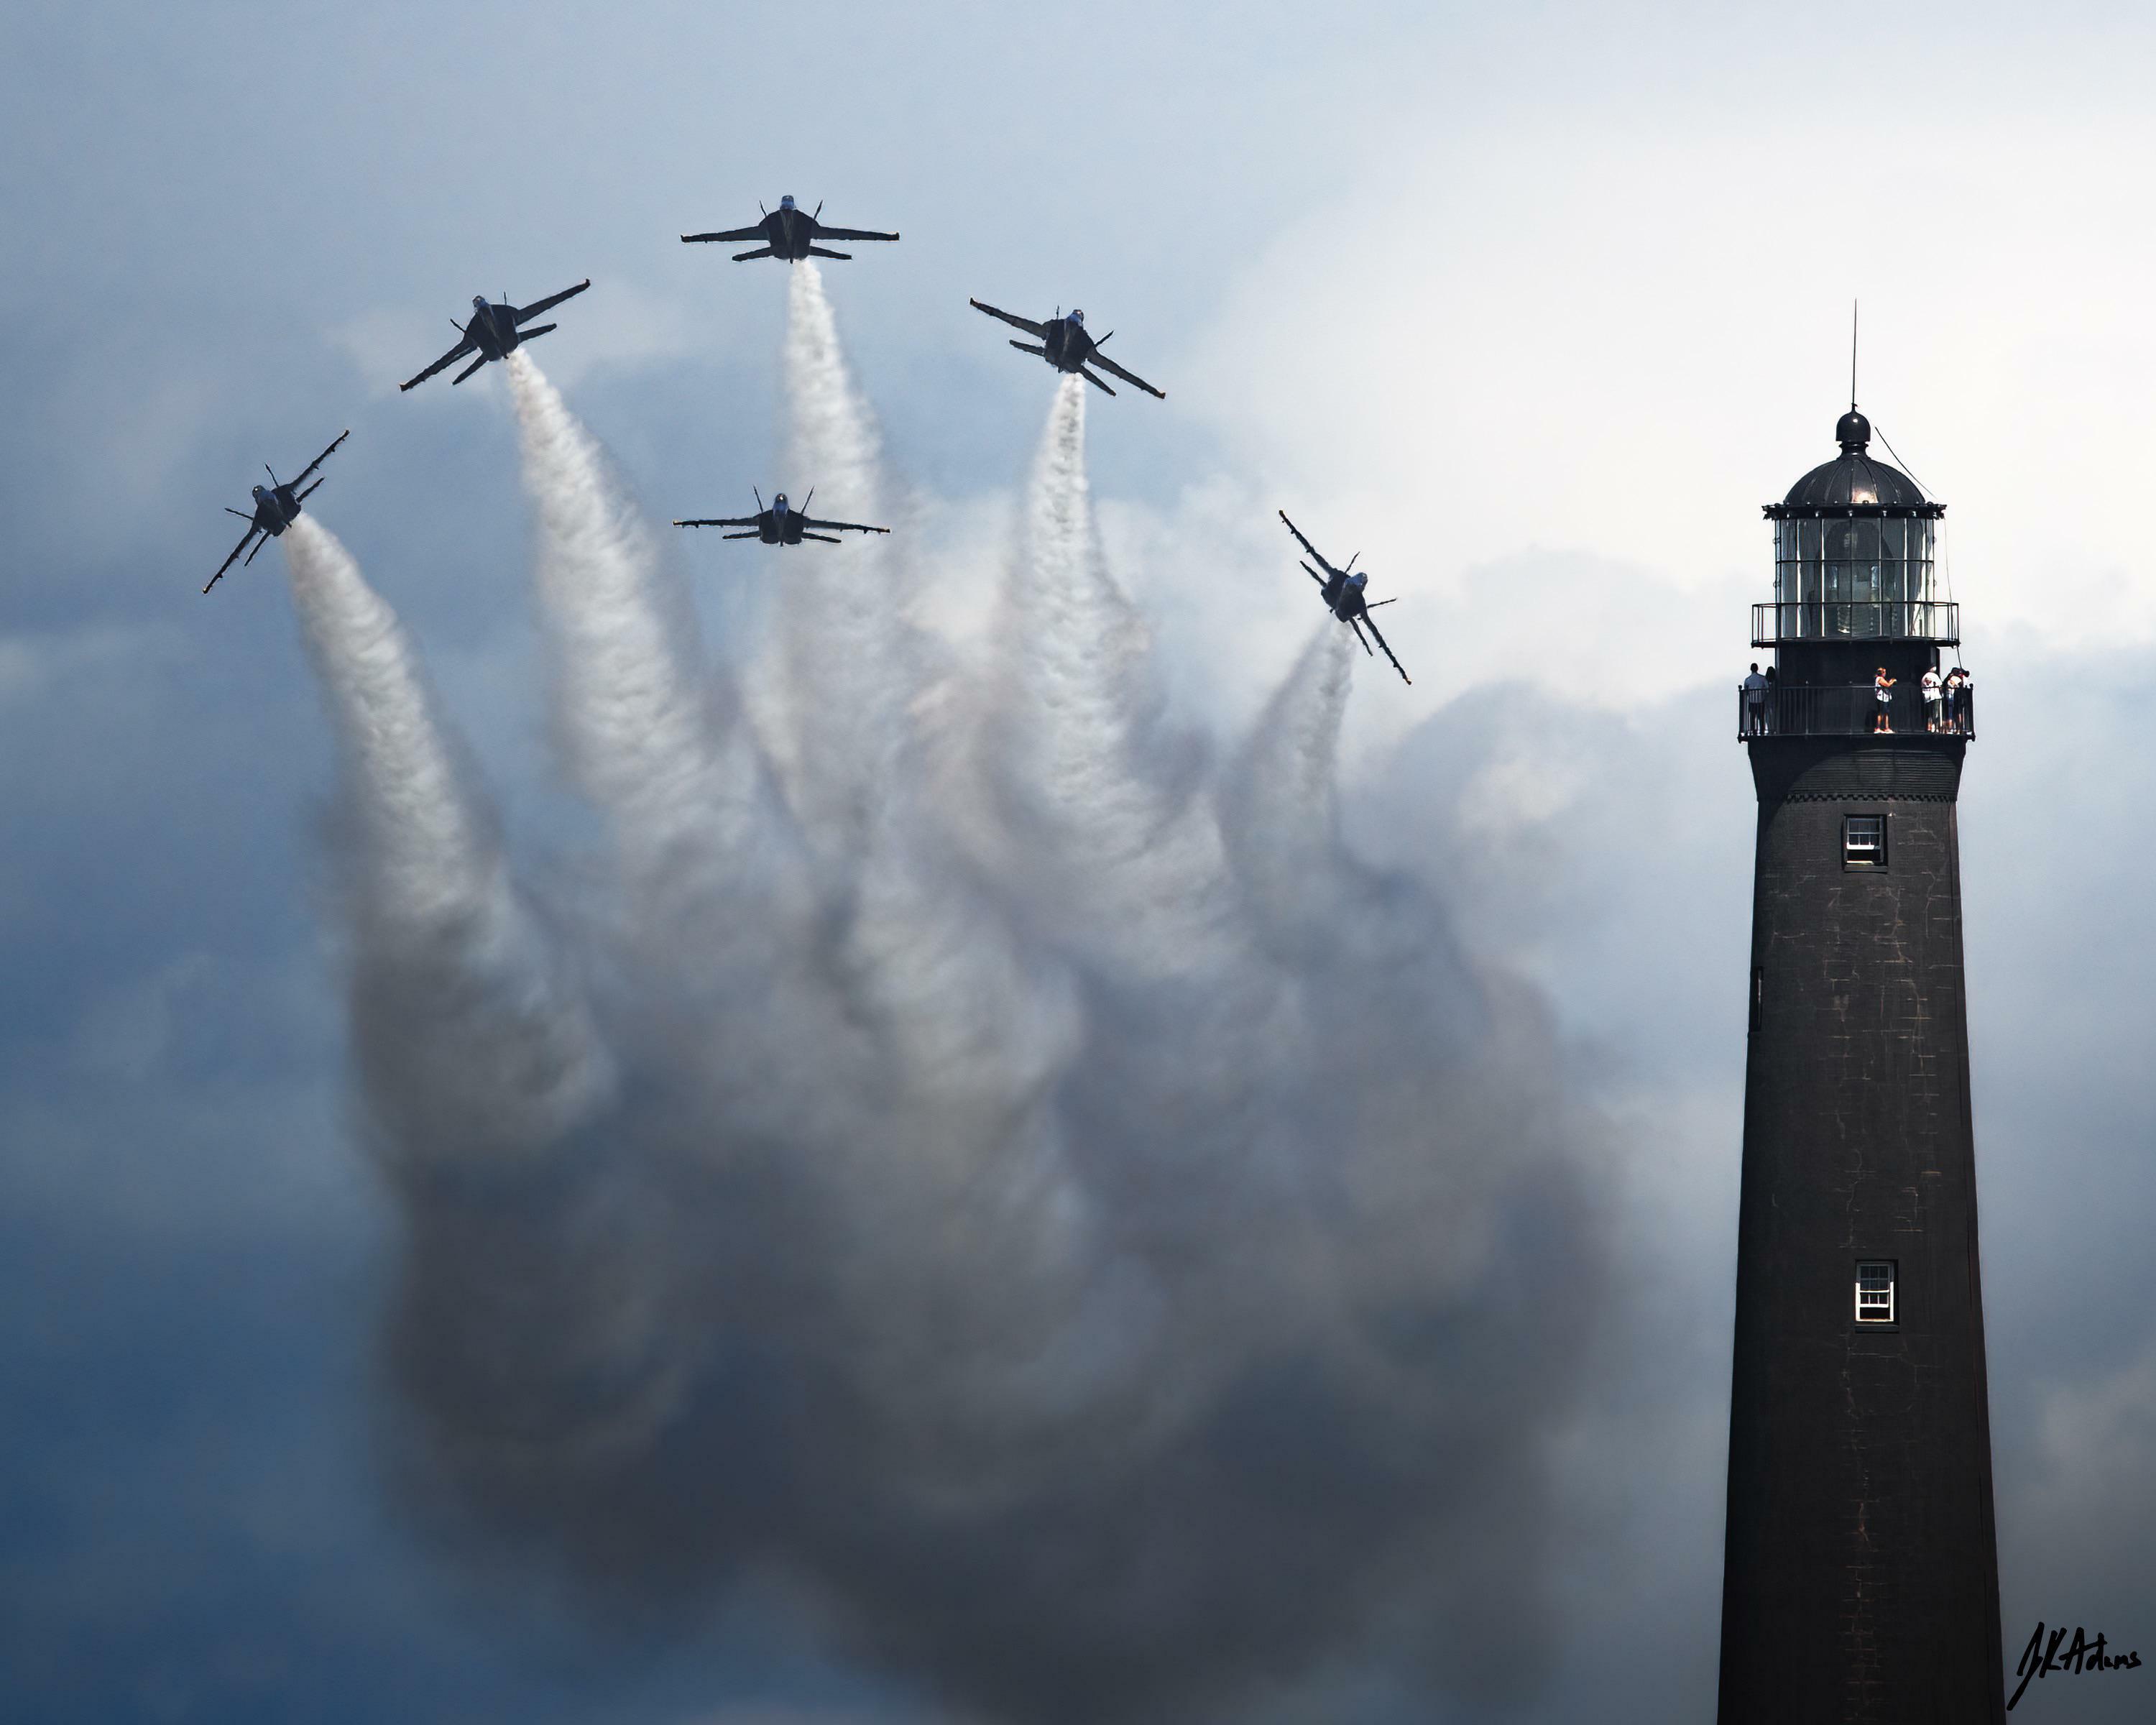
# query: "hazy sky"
(1533, 308)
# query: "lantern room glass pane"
(1920, 560)
(1893, 577)
(1857, 577)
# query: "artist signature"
(2041, 1657)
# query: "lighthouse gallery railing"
(1847, 710)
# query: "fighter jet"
(276, 507)
(780, 525)
(1344, 596)
(1065, 346)
(495, 331)
(787, 233)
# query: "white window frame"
(1873, 1312)
(1868, 856)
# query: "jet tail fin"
(819, 251)
(468, 369)
(1366, 647)
(1313, 574)
(251, 555)
(1094, 381)
(534, 335)
(244, 515)
(302, 497)
(761, 251)
(827, 538)
(1030, 347)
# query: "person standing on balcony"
(1774, 688)
(1934, 693)
(1755, 702)
(1962, 680)
(1882, 722)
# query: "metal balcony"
(1776, 625)
(1845, 710)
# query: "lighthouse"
(1860, 1571)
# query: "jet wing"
(1098, 358)
(455, 353)
(1397, 665)
(252, 529)
(732, 236)
(846, 527)
(301, 477)
(552, 300)
(738, 520)
(1307, 546)
(824, 233)
(1037, 330)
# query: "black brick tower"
(1860, 1575)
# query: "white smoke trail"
(1278, 803)
(832, 703)
(1095, 784)
(721, 900)
(648, 736)
(494, 1047)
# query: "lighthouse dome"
(1853, 478)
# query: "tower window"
(1863, 841)
(1875, 1293)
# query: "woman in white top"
(1933, 690)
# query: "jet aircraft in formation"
(276, 507)
(787, 233)
(495, 331)
(1065, 345)
(1344, 596)
(780, 525)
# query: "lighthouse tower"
(1860, 1575)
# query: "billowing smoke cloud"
(480, 1064)
(1096, 1241)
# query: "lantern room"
(1855, 554)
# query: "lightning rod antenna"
(1852, 356)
